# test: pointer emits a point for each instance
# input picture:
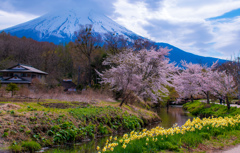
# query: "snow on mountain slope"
(60, 26)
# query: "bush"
(31, 146)
(5, 134)
(14, 147)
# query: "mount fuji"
(59, 27)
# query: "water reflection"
(175, 114)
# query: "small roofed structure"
(21, 74)
(68, 85)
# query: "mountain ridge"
(59, 27)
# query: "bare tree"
(115, 43)
(86, 44)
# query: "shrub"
(28, 132)
(12, 112)
(31, 146)
(5, 134)
(21, 130)
(14, 147)
(12, 87)
(102, 129)
(6, 130)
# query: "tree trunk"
(220, 101)
(208, 102)
(122, 102)
(12, 93)
(191, 98)
(228, 104)
(78, 80)
(167, 105)
(90, 71)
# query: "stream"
(175, 114)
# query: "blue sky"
(203, 27)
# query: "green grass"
(209, 135)
(31, 146)
(198, 108)
(68, 122)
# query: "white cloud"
(133, 16)
(11, 19)
(183, 24)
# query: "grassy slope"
(43, 122)
(204, 137)
(198, 108)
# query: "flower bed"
(189, 135)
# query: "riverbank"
(199, 135)
(216, 133)
(202, 109)
(28, 125)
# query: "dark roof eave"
(6, 82)
(25, 71)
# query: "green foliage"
(29, 108)
(102, 129)
(6, 130)
(166, 146)
(14, 147)
(12, 112)
(21, 130)
(192, 139)
(12, 87)
(195, 107)
(5, 134)
(105, 115)
(216, 132)
(31, 146)
(66, 132)
(28, 132)
(131, 122)
(205, 135)
(207, 110)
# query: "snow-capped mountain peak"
(59, 26)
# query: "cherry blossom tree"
(145, 73)
(194, 79)
(185, 81)
(224, 85)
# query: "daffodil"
(98, 148)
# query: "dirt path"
(231, 105)
(235, 149)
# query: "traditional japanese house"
(68, 85)
(21, 74)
